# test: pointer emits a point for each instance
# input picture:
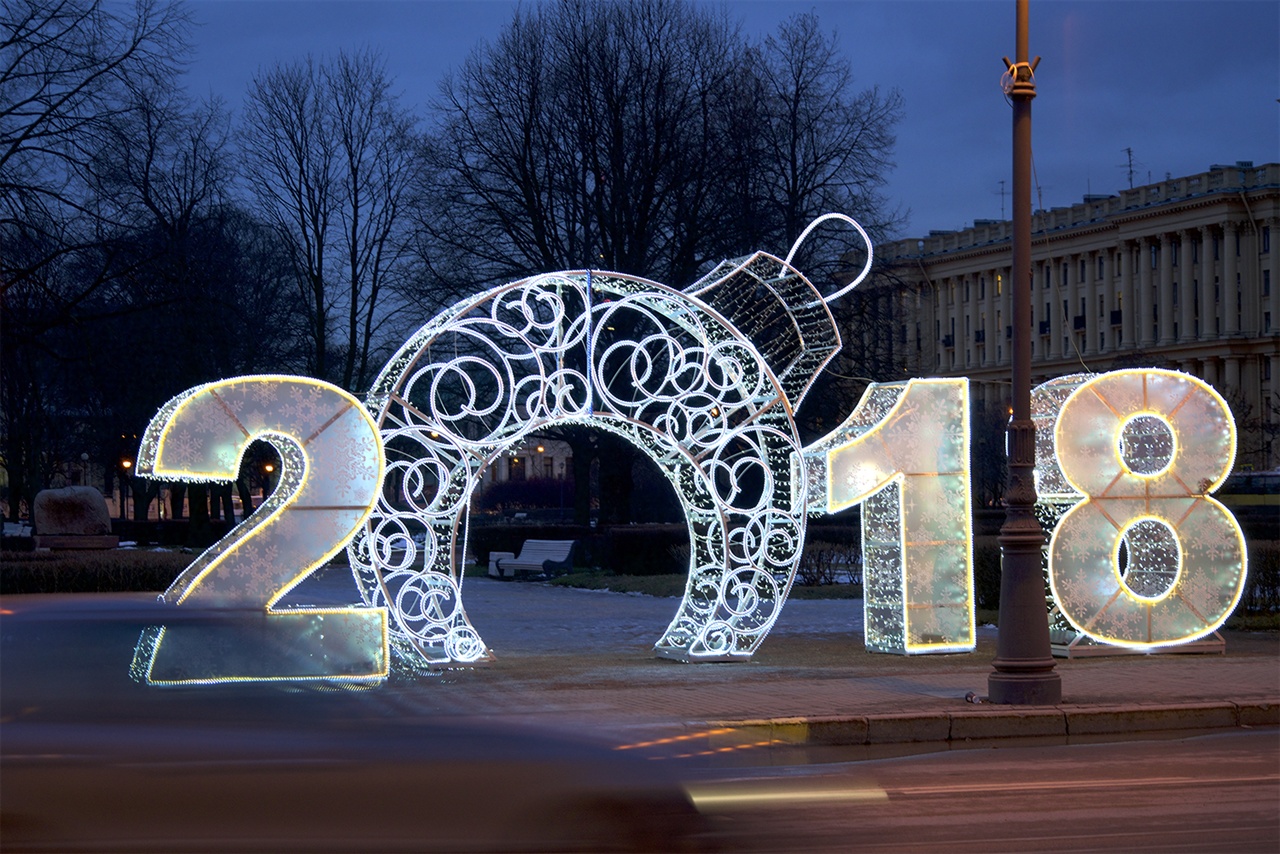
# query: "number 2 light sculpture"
(331, 469)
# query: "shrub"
(829, 563)
(986, 575)
(1262, 588)
(119, 570)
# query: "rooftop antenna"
(1129, 167)
(1002, 183)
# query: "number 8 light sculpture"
(1146, 448)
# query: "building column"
(1092, 323)
(1004, 308)
(1128, 301)
(1164, 291)
(1249, 270)
(1146, 305)
(1053, 296)
(991, 336)
(1186, 289)
(1210, 306)
(1231, 375)
(1071, 282)
(1231, 296)
(1211, 371)
(1267, 265)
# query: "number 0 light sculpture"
(705, 381)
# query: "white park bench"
(549, 557)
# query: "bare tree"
(288, 139)
(824, 145)
(586, 135)
(648, 138)
(68, 72)
(333, 154)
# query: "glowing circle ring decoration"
(1147, 490)
(677, 373)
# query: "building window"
(1082, 269)
(999, 284)
(1155, 256)
(1266, 238)
(1215, 249)
(1101, 267)
(1175, 249)
(1195, 251)
(1266, 322)
(982, 287)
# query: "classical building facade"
(1177, 274)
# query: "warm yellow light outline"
(1115, 559)
(371, 678)
(150, 453)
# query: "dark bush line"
(117, 571)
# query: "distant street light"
(125, 465)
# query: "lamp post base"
(1039, 685)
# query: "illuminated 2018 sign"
(706, 382)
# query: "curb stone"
(995, 724)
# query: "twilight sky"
(1183, 83)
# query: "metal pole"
(1023, 667)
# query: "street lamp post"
(1023, 669)
(126, 468)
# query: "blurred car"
(92, 760)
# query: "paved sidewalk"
(583, 659)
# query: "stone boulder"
(72, 517)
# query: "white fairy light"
(677, 373)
